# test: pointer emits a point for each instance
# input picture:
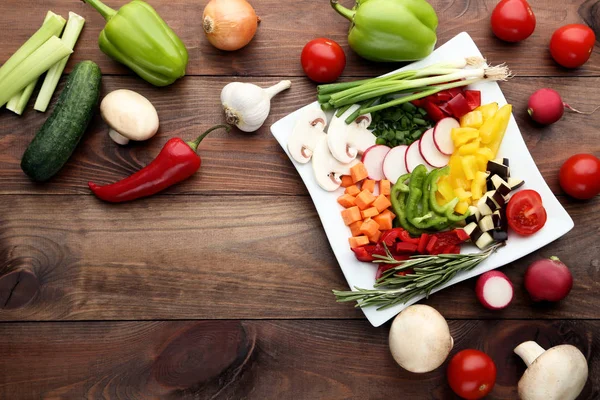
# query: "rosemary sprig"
(429, 272)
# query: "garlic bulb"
(247, 106)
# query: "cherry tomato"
(471, 374)
(525, 213)
(323, 60)
(571, 45)
(580, 176)
(513, 20)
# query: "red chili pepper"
(176, 162)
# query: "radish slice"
(442, 135)
(373, 160)
(394, 165)
(494, 290)
(430, 152)
(414, 158)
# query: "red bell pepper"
(405, 237)
(433, 111)
(364, 253)
(391, 236)
(423, 240)
(406, 248)
(176, 162)
(473, 98)
(459, 106)
(431, 245)
(455, 91)
(461, 235)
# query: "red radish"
(494, 290)
(394, 165)
(442, 135)
(548, 280)
(429, 151)
(545, 106)
(414, 159)
(373, 159)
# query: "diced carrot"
(352, 190)
(369, 212)
(355, 228)
(388, 210)
(358, 172)
(347, 201)
(375, 238)
(384, 220)
(364, 199)
(385, 187)
(350, 215)
(381, 203)
(368, 184)
(346, 181)
(369, 227)
(357, 241)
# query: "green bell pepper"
(138, 37)
(391, 30)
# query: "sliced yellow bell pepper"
(478, 185)
(461, 136)
(462, 194)
(474, 119)
(487, 110)
(502, 118)
(445, 189)
(469, 148)
(469, 166)
(461, 207)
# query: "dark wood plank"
(229, 257)
(257, 360)
(254, 163)
(287, 26)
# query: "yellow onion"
(229, 24)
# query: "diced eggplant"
(499, 235)
(491, 203)
(503, 220)
(504, 190)
(474, 215)
(505, 162)
(515, 183)
(484, 241)
(497, 219)
(498, 181)
(482, 206)
(489, 184)
(469, 228)
(486, 223)
(499, 199)
(497, 168)
(476, 234)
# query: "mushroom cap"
(307, 131)
(130, 114)
(347, 141)
(420, 339)
(559, 373)
(328, 170)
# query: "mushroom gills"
(347, 141)
(327, 169)
(308, 130)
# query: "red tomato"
(580, 176)
(471, 374)
(571, 45)
(323, 60)
(513, 20)
(525, 213)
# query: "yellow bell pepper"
(478, 185)
(487, 110)
(462, 194)
(502, 118)
(469, 148)
(445, 189)
(461, 136)
(469, 166)
(474, 119)
(461, 207)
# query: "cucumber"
(56, 140)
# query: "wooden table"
(220, 288)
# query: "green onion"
(32, 67)
(69, 37)
(51, 27)
(19, 101)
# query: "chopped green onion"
(69, 37)
(51, 27)
(32, 67)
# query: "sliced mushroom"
(307, 131)
(558, 373)
(347, 141)
(130, 116)
(328, 171)
(420, 339)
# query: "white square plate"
(360, 274)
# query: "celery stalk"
(69, 37)
(52, 27)
(32, 67)
(19, 101)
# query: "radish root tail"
(568, 107)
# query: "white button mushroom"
(130, 116)
(328, 171)
(420, 339)
(558, 373)
(307, 131)
(347, 141)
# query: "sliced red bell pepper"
(459, 106)
(431, 245)
(473, 98)
(391, 236)
(442, 97)
(462, 235)
(406, 248)
(433, 111)
(423, 240)
(382, 268)
(446, 109)
(455, 250)
(364, 253)
(405, 237)
(418, 102)
(455, 91)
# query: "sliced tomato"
(525, 213)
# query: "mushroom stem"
(117, 137)
(529, 351)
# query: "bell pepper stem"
(343, 11)
(194, 144)
(102, 8)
